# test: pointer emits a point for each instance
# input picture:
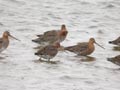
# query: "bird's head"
(7, 34)
(92, 41)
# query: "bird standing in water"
(83, 49)
(53, 36)
(48, 52)
(4, 40)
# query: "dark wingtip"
(39, 35)
(109, 59)
(36, 53)
(110, 41)
(34, 41)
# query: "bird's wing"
(1, 41)
(82, 46)
(72, 48)
(40, 35)
(48, 33)
(49, 38)
(41, 51)
(82, 43)
(46, 50)
(51, 33)
(77, 48)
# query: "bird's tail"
(36, 53)
(111, 42)
(37, 40)
(109, 59)
(39, 36)
(67, 48)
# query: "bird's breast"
(4, 45)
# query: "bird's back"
(49, 36)
(77, 48)
(48, 50)
(51, 33)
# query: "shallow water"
(21, 70)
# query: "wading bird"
(4, 40)
(83, 49)
(53, 36)
(48, 52)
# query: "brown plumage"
(83, 49)
(53, 36)
(115, 42)
(115, 60)
(4, 40)
(49, 33)
(48, 52)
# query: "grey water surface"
(19, 67)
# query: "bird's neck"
(5, 37)
(56, 45)
(91, 46)
(63, 32)
(63, 29)
(89, 49)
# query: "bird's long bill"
(14, 37)
(99, 45)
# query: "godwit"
(53, 36)
(83, 49)
(48, 52)
(4, 40)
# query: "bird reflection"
(43, 61)
(86, 58)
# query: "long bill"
(14, 37)
(99, 45)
